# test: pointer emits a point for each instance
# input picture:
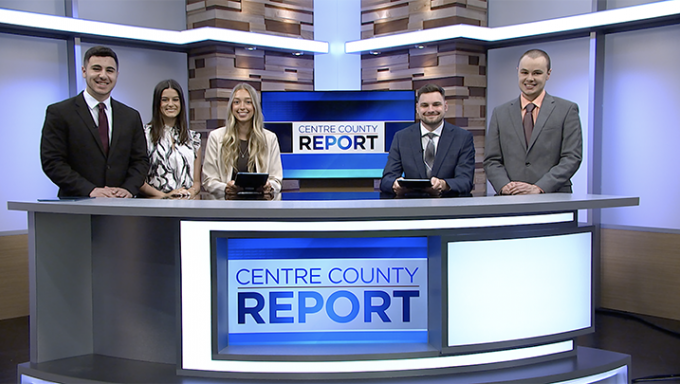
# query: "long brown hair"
(256, 141)
(156, 122)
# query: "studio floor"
(653, 343)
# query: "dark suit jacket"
(454, 161)
(554, 152)
(72, 154)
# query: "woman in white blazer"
(243, 145)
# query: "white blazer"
(215, 174)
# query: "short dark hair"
(100, 51)
(535, 53)
(429, 88)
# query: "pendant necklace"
(242, 152)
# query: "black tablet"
(251, 181)
(415, 183)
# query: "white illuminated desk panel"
(470, 289)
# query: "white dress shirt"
(93, 104)
(424, 139)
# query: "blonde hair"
(256, 141)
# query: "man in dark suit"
(432, 149)
(91, 144)
(523, 157)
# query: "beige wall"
(641, 272)
(13, 276)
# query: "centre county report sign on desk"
(329, 290)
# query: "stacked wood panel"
(460, 68)
(214, 69)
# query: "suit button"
(108, 167)
(527, 164)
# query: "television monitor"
(336, 134)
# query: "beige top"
(215, 174)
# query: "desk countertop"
(343, 206)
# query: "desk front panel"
(271, 298)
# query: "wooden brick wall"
(459, 68)
(215, 69)
(380, 17)
(291, 18)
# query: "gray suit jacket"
(554, 151)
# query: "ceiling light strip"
(564, 24)
(51, 23)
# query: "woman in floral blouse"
(174, 150)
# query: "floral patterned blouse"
(172, 164)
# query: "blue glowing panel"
(332, 165)
(325, 290)
(284, 107)
(355, 154)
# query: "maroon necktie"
(528, 122)
(103, 127)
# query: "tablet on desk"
(250, 182)
(68, 198)
(415, 183)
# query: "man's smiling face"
(533, 73)
(100, 73)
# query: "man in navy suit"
(450, 149)
(91, 144)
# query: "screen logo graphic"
(339, 137)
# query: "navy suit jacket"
(72, 154)
(454, 161)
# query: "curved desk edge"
(290, 209)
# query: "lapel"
(516, 121)
(83, 112)
(543, 114)
(115, 133)
(445, 141)
(416, 143)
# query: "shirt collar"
(437, 132)
(537, 101)
(92, 102)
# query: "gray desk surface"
(324, 209)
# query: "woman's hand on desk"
(267, 188)
(182, 193)
(231, 190)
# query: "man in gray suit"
(534, 142)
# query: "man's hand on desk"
(520, 188)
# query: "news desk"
(357, 288)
